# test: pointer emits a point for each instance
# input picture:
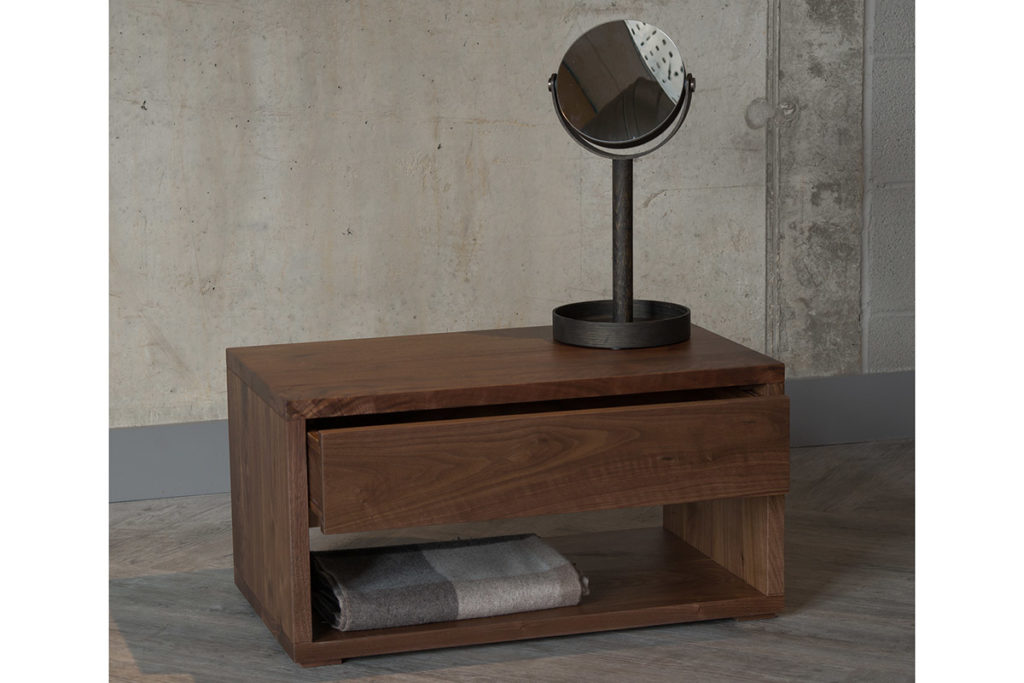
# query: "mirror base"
(589, 323)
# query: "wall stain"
(834, 188)
(651, 198)
(831, 13)
(758, 113)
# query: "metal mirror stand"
(623, 322)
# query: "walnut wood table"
(373, 434)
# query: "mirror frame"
(640, 140)
(601, 148)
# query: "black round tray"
(589, 323)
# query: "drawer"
(491, 467)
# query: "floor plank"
(177, 616)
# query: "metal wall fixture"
(621, 92)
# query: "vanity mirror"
(621, 91)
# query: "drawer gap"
(720, 393)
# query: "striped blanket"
(417, 584)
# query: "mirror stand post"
(622, 240)
(621, 322)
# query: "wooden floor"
(175, 614)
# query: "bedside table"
(370, 434)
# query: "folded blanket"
(417, 584)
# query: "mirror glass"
(620, 83)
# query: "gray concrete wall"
(888, 297)
(285, 171)
(814, 216)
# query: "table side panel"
(269, 513)
(743, 535)
(477, 469)
(315, 478)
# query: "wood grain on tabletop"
(424, 372)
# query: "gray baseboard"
(850, 409)
(189, 459)
(164, 461)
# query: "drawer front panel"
(474, 469)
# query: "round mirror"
(621, 83)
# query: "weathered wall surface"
(814, 295)
(288, 171)
(888, 305)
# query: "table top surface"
(488, 367)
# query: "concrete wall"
(814, 217)
(285, 171)
(888, 305)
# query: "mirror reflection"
(620, 82)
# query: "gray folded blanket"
(422, 583)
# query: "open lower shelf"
(638, 577)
